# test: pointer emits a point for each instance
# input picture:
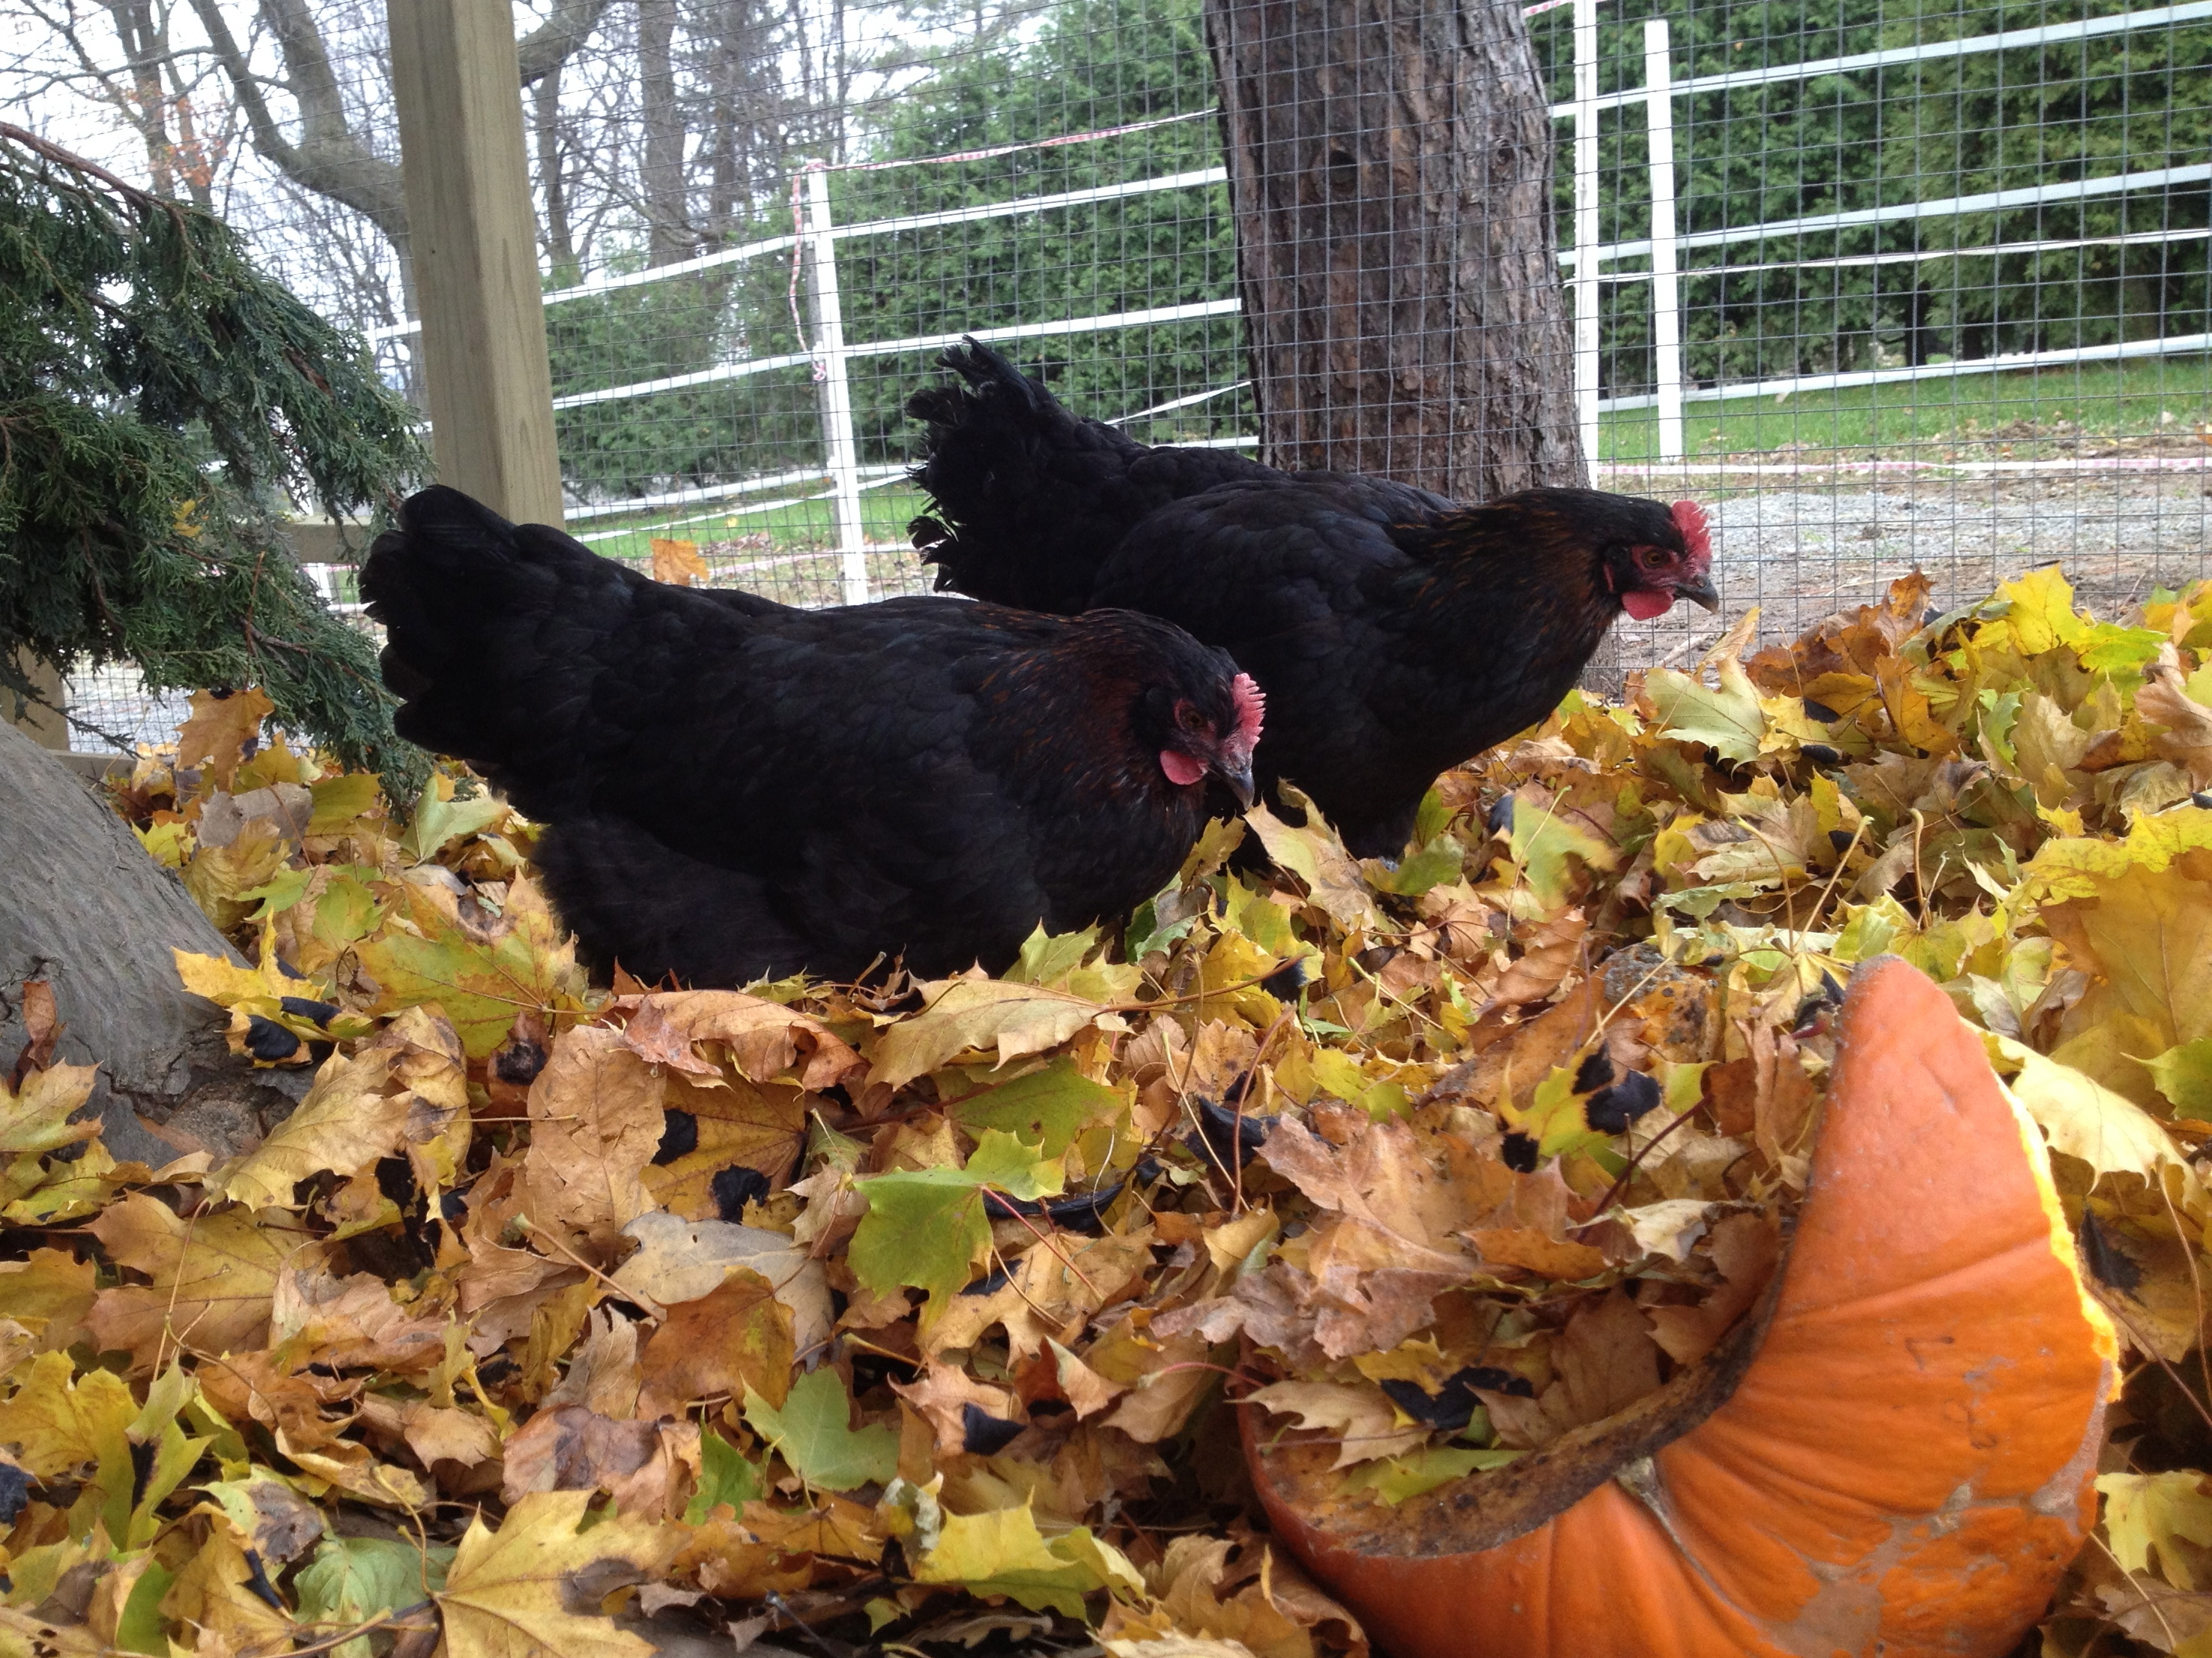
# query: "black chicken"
(733, 789)
(1396, 633)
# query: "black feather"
(733, 789)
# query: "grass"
(786, 548)
(2037, 411)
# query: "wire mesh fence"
(1887, 283)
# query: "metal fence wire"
(1886, 283)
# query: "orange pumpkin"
(1894, 1457)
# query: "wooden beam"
(473, 232)
(42, 722)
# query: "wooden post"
(474, 237)
(42, 722)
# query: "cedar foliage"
(159, 400)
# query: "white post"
(1666, 285)
(836, 390)
(1586, 183)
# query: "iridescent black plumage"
(1396, 633)
(735, 789)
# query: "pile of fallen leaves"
(556, 1319)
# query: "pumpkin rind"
(1904, 1468)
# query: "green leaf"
(725, 1476)
(1430, 819)
(1728, 721)
(2184, 1075)
(1047, 958)
(927, 1228)
(353, 1579)
(340, 799)
(1002, 1552)
(439, 823)
(1056, 1104)
(280, 892)
(346, 911)
(139, 1627)
(1542, 843)
(1007, 1164)
(1435, 863)
(812, 1433)
(1395, 1479)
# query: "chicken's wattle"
(1645, 604)
(1180, 767)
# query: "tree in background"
(159, 398)
(1391, 164)
(2131, 101)
(1094, 65)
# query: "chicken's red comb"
(1251, 708)
(1690, 519)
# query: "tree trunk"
(1390, 167)
(661, 174)
(85, 909)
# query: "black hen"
(1396, 634)
(733, 789)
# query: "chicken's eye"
(1654, 557)
(1189, 718)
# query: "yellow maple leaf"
(509, 1593)
(1002, 1552)
(2146, 1515)
(57, 1422)
(980, 1014)
(214, 1277)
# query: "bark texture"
(84, 907)
(1390, 168)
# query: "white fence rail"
(829, 353)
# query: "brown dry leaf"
(2187, 740)
(677, 561)
(1056, 1284)
(736, 1337)
(603, 1372)
(679, 1260)
(220, 725)
(1744, 1250)
(1084, 1388)
(646, 1467)
(1606, 1360)
(1549, 952)
(945, 1394)
(595, 1117)
(434, 1433)
(352, 1322)
(1526, 1248)
(726, 1559)
(763, 1039)
(735, 1126)
(214, 1277)
(515, 1592)
(253, 1386)
(1362, 1419)
(213, 1594)
(832, 1525)
(1160, 1401)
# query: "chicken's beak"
(1239, 780)
(1699, 590)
